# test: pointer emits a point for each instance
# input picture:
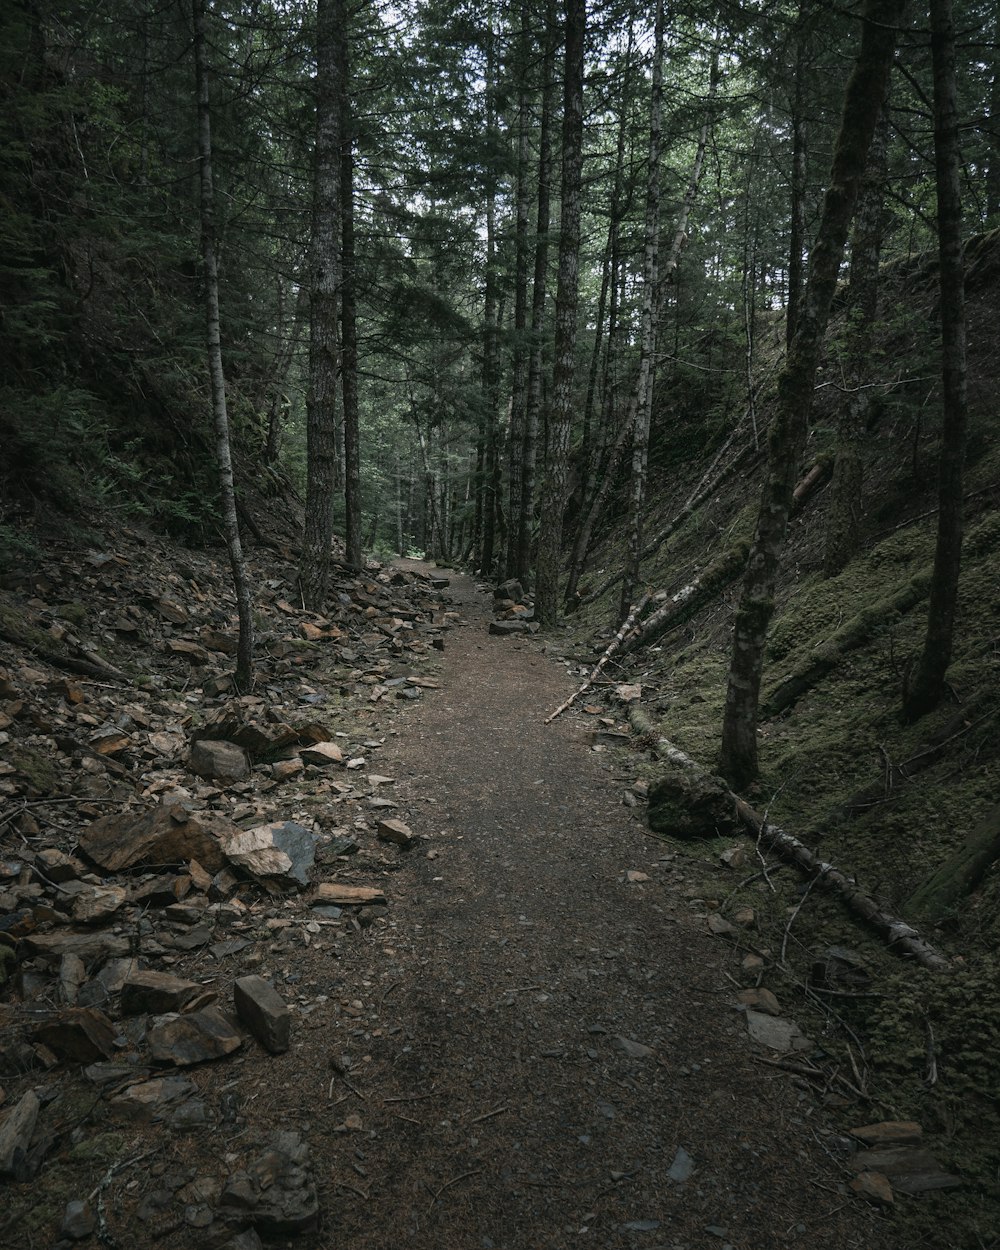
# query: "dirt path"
(502, 1099)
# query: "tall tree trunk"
(797, 239)
(519, 370)
(213, 339)
(487, 483)
(539, 291)
(647, 334)
(564, 368)
(321, 400)
(843, 528)
(348, 298)
(863, 99)
(927, 686)
(594, 483)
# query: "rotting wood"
(855, 633)
(900, 936)
(627, 626)
(93, 665)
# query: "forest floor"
(537, 1043)
(571, 1039)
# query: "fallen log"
(722, 572)
(720, 808)
(959, 875)
(854, 634)
(615, 644)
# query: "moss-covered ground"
(911, 1044)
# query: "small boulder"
(219, 761)
(392, 830)
(262, 1010)
(194, 1038)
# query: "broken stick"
(627, 628)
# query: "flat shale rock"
(88, 946)
(261, 1009)
(328, 892)
(322, 753)
(503, 628)
(79, 1034)
(194, 1038)
(98, 903)
(16, 1131)
(873, 1186)
(282, 851)
(168, 834)
(395, 831)
(781, 1035)
(156, 993)
(149, 1100)
(219, 760)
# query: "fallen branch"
(92, 666)
(613, 646)
(722, 572)
(729, 809)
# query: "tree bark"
(348, 300)
(561, 410)
(210, 271)
(843, 531)
(862, 101)
(539, 291)
(643, 396)
(927, 687)
(321, 400)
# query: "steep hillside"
(889, 803)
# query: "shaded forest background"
(557, 344)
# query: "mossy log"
(959, 875)
(725, 806)
(722, 572)
(858, 630)
(86, 664)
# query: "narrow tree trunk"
(525, 518)
(561, 409)
(863, 98)
(797, 239)
(348, 300)
(213, 339)
(927, 687)
(647, 334)
(321, 400)
(519, 370)
(843, 530)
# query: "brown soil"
(498, 1106)
(460, 1066)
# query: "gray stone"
(78, 1220)
(219, 760)
(282, 851)
(687, 803)
(783, 1035)
(262, 1010)
(511, 589)
(194, 1038)
(634, 1050)
(16, 1131)
(682, 1167)
(503, 628)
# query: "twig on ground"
(464, 1176)
(791, 918)
(488, 1115)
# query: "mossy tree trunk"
(862, 101)
(927, 686)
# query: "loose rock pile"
(159, 837)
